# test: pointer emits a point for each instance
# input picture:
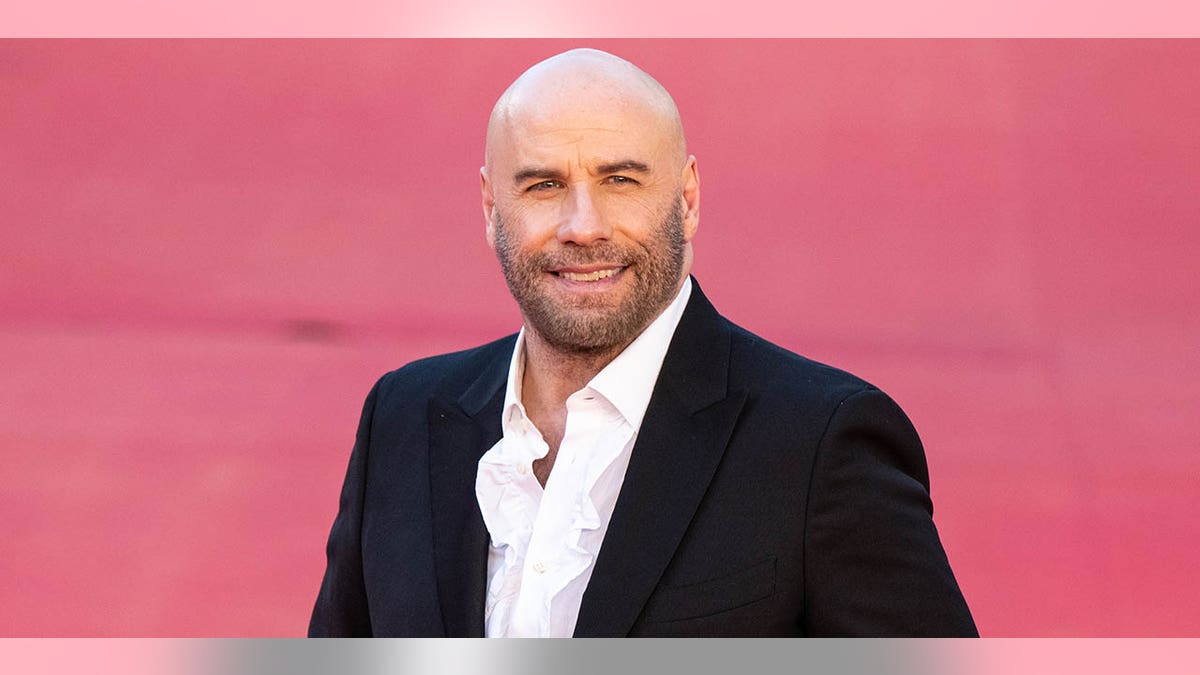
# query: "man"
(631, 463)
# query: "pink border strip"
(613, 18)
(137, 656)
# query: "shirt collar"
(627, 381)
(514, 409)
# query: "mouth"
(588, 275)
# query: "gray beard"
(593, 327)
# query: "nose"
(582, 222)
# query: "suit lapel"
(682, 439)
(461, 429)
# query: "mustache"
(601, 252)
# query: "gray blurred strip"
(574, 657)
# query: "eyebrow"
(536, 172)
(624, 166)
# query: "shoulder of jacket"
(781, 369)
(432, 372)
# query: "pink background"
(210, 250)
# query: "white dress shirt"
(544, 542)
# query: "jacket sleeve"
(874, 565)
(341, 608)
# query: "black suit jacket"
(766, 495)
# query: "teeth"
(590, 276)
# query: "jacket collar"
(680, 443)
(462, 426)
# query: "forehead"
(595, 131)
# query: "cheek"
(523, 228)
(631, 213)
(544, 217)
(644, 216)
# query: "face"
(590, 216)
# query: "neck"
(553, 374)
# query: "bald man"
(630, 463)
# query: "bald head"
(581, 84)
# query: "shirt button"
(539, 567)
(521, 469)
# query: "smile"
(595, 275)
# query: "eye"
(543, 186)
(621, 180)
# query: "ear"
(488, 196)
(691, 198)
